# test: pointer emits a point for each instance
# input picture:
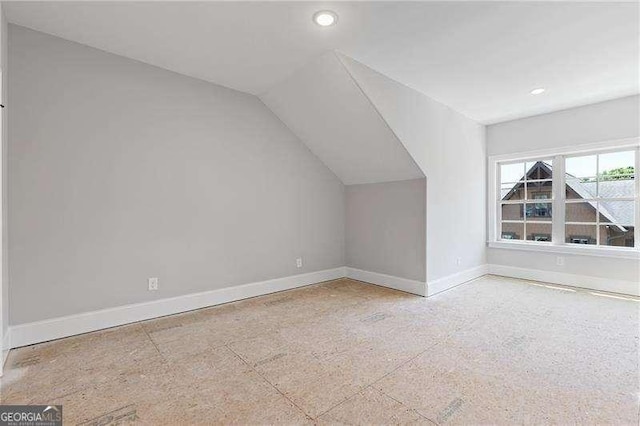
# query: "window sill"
(620, 253)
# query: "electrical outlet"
(560, 261)
(153, 284)
(458, 261)
(299, 262)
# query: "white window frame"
(558, 244)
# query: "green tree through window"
(620, 173)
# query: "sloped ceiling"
(324, 106)
(479, 57)
(410, 125)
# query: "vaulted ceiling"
(480, 58)
(325, 107)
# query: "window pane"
(580, 234)
(580, 212)
(538, 231)
(617, 212)
(538, 211)
(578, 189)
(616, 165)
(512, 231)
(611, 235)
(512, 211)
(540, 190)
(541, 169)
(511, 172)
(512, 191)
(617, 187)
(584, 168)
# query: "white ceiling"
(324, 106)
(480, 58)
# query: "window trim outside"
(558, 244)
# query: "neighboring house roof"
(619, 213)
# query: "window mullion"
(597, 202)
(637, 195)
(558, 218)
(498, 188)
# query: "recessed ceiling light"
(325, 18)
(537, 91)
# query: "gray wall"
(601, 122)
(604, 121)
(120, 171)
(386, 228)
(4, 284)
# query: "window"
(600, 198)
(572, 200)
(526, 200)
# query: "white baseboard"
(583, 281)
(55, 328)
(4, 350)
(445, 283)
(402, 284)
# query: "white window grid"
(525, 200)
(559, 200)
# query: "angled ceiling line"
(453, 52)
(375, 107)
(328, 110)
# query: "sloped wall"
(364, 125)
(385, 218)
(450, 150)
(326, 109)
